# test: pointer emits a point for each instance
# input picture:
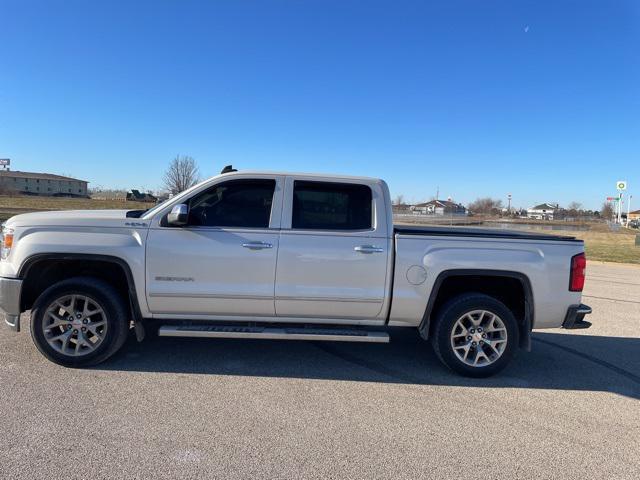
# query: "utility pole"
(628, 208)
(620, 207)
(509, 207)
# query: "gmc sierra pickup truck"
(284, 256)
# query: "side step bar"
(273, 333)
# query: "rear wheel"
(475, 335)
(79, 322)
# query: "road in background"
(190, 408)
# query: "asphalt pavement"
(195, 408)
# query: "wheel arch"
(490, 280)
(87, 264)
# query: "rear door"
(334, 252)
(223, 262)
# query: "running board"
(274, 333)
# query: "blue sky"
(540, 99)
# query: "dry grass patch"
(61, 203)
(10, 206)
(610, 246)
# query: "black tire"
(446, 319)
(106, 297)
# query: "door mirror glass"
(179, 215)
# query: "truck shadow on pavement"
(557, 361)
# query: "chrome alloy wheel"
(74, 325)
(479, 338)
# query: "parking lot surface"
(191, 408)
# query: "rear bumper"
(575, 317)
(10, 290)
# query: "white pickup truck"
(284, 256)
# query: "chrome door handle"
(257, 245)
(368, 249)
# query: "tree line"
(181, 174)
(495, 206)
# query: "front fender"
(125, 246)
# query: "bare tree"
(486, 206)
(182, 174)
(399, 200)
(574, 210)
(606, 211)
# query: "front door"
(223, 262)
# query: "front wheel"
(475, 335)
(79, 322)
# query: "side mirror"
(179, 215)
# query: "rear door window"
(331, 206)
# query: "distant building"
(163, 196)
(29, 183)
(439, 207)
(401, 208)
(137, 196)
(635, 215)
(544, 211)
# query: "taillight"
(578, 272)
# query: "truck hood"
(73, 218)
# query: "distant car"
(284, 256)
